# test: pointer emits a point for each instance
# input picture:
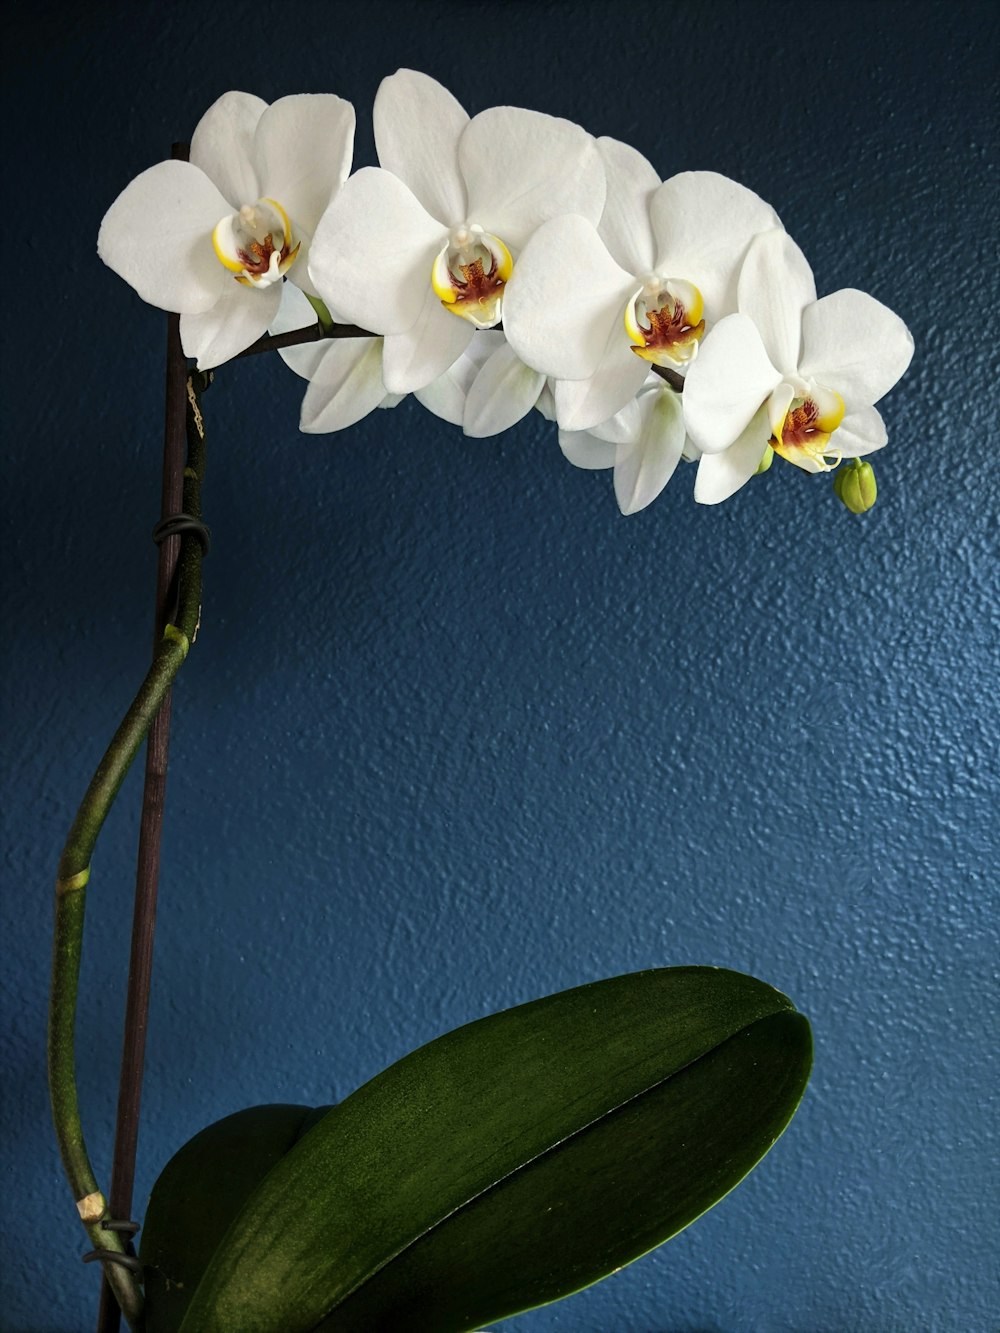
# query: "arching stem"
(74, 872)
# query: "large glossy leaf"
(514, 1160)
(197, 1196)
(599, 1200)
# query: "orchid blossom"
(791, 373)
(486, 390)
(596, 307)
(346, 381)
(421, 249)
(599, 274)
(643, 442)
(344, 374)
(212, 238)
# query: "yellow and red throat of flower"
(258, 261)
(802, 436)
(664, 321)
(470, 273)
(244, 243)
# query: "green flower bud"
(854, 486)
(767, 458)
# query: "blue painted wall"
(455, 733)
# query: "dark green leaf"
(597, 1201)
(198, 1194)
(514, 1160)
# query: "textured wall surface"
(456, 734)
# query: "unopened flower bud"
(854, 485)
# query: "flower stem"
(314, 333)
(151, 819)
(74, 872)
(273, 342)
(675, 380)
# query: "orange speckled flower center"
(664, 321)
(470, 273)
(802, 436)
(245, 243)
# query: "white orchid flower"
(447, 396)
(212, 238)
(421, 248)
(346, 381)
(643, 442)
(791, 372)
(487, 390)
(344, 374)
(595, 307)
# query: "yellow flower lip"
(244, 243)
(802, 433)
(672, 309)
(469, 274)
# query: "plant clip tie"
(129, 1261)
(175, 524)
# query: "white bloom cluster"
(507, 262)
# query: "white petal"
(563, 299)
(547, 401)
(298, 274)
(522, 168)
(414, 358)
(721, 475)
(778, 403)
(644, 468)
(222, 146)
(446, 395)
(623, 427)
(304, 145)
(417, 128)
(728, 381)
(503, 392)
(856, 345)
(373, 252)
(295, 312)
(597, 448)
(233, 323)
(581, 404)
(703, 223)
(860, 433)
(775, 285)
(586, 450)
(157, 235)
(625, 225)
(347, 385)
